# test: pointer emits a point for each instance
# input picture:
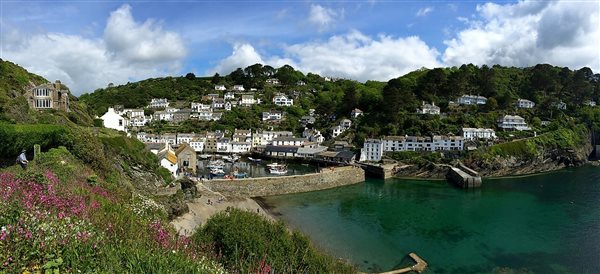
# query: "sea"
(547, 223)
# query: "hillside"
(14, 82)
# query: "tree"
(190, 76)
(216, 79)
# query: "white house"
(524, 103)
(272, 81)
(300, 83)
(247, 100)
(159, 103)
(220, 87)
(198, 144)
(185, 138)
(513, 122)
(429, 109)
(313, 135)
(197, 107)
(111, 119)
(478, 133)
(590, 103)
(229, 96)
(133, 112)
(238, 88)
(472, 100)
(139, 121)
(218, 103)
(356, 112)
(241, 147)
(337, 130)
(224, 145)
(448, 143)
(560, 105)
(282, 100)
(227, 106)
(168, 159)
(288, 141)
(272, 116)
(346, 123)
(372, 150)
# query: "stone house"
(48, 96)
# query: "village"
(178, 151)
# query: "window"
(120, 122)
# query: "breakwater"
(268, 186)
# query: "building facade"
(49, 96)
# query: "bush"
(251, 243)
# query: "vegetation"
(252, 244)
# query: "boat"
(255, 160)
(205, 156)
(240, 174)
(281, 170)
(215, 164)
(233, 158)
(273, 165)
(217, 172)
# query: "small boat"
(273, 165)
(205, 156)
(219, 164)
(233, 158)
(279, 170)
(254, 160)
(217, 172)
(240, 174)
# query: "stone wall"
(267, 186)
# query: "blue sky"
(88, 44)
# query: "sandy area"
(201, 210)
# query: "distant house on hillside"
(429, 109)
(220, 87)
(524, 103)
(472, 100)
(513, 122)
(111, 119)
(272, 81)
(48, 96)
(238, 88)
(356, 112)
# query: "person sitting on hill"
(22, 160)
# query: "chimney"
(57, 85)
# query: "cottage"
(560, 105)
(185, 138)
(168, 159)
(288, 141)
(224, 145)
(182, 115)
(115, 121)
(241, 147)
(229, 96)
(337, 130)
(133, 112)
(272, 116)
(282, 100)
(242, 135)
(300, 83)
(272, 81)
(238, 88)
(472, 100)
(478, 133)
(218, 103)
(589, 103)
(524, 103)
(186, 158)
(345, 123)
(227, 106)
(159, 103)
(448, 143)
(356, 112)
(220, 87)
(429, 109)
(306, 120)
(198, 144)
(313, 135)
(513, 122)
(49, 96)
(197, 107)
(247, 100)
(266, 137)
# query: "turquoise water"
(545, 224)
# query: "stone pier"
(464, 177)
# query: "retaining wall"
(267, 186)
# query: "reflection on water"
(543, 224)
(256, 169)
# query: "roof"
(310, 150)
(292, 139)
(184, 147)
(287, 149)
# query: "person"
(22, 160)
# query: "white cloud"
(561, 33)
(353, 56)
(128, 51)
(243, 55)
(323, 18)
(424, 11)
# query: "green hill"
(14, 83)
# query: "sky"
(88, 44)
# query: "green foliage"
(250, 243)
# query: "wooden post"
(36, 151)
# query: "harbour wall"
(267, 186)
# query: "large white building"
(524, 103)
(472, 100)
(513, 122)
(159, 103)
(478, 133)
(272, 116)
(372, 150)
(282, 100)
(429, 109)
(111, 119)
